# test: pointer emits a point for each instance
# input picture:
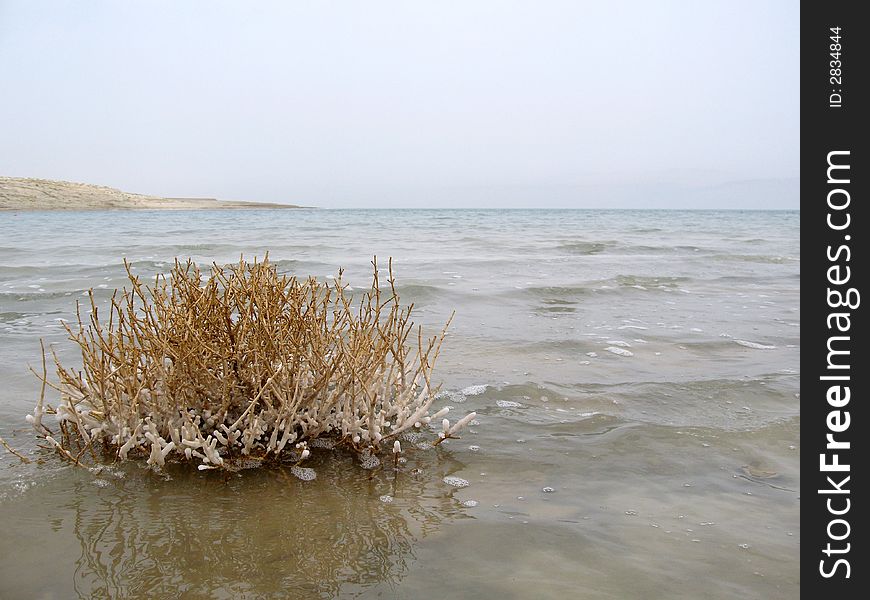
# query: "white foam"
(247, 463)
(619, 343)
(450, 396)
(456, 482)
(303, 473)
(754, 345)
(369, 462)
(386, 499)
(474, 390)
(507, 404)
(619, 351)
(327, 443)
(469, 503)
(413, 436)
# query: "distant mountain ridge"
(22, 193)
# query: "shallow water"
(642, 366)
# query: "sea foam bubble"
(303, 473)
(457, 482)
(474, 390)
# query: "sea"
(635, 374)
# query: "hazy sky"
(438, 103)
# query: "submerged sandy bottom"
(671, 469)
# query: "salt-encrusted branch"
(242, 364)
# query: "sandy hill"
(18, 193)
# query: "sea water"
(633, 373)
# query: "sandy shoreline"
(18, 193)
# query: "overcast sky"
(438, 103)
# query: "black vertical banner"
(835, 421)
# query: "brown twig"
(12, 450)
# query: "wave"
(723, 404)
(584, 248)
(564, 294)
(756, 258)
(418, 292)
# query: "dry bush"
(243, 365)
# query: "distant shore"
(19, 193)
